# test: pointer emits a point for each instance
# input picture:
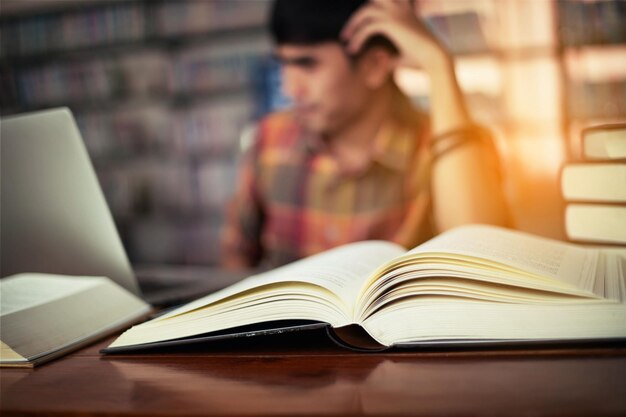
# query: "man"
(353, 160)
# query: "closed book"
(594, 182)
(605, 142)
(600, 223)
(44, 316)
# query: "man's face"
(327, 90)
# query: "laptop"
(54, 217)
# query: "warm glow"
(597, 64)
(413, 82)
(479, 75)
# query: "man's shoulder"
(279, 129)
(280, 117)
(410, 115)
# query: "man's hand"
(397, 21)
(465, 188)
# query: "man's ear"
(376, 66)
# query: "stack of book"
(595, 189)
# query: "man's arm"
(465, 179)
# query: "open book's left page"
(321, 288)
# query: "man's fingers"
(359, 18)
(362, 16)
(394, 6)
(364, 32)
(384, 4)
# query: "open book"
(474, 284)
(43, 316)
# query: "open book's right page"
(565, 263)
(481, 283)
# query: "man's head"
(329, 87)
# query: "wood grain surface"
(299, 375)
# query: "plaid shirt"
(294, 200)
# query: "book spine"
(272, 329)
(594, 182)
(596, 223)
(604, 143)
(354, 337)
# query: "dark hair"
(309, 22)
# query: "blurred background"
(162, 91)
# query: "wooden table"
(307, 375)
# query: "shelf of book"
(165, 43)
(592, 52)
(103, 26)
(594, 187)
(160, 90)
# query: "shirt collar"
(394, 144)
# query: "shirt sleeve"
(241, 235)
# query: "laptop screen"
(54, 217)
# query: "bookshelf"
(160, 90)
(592, 53)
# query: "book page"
(23, 291)
(616, 146)
(341, 270)
(9, 355)
(48, 315)
(449, 320)
(563, 262)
